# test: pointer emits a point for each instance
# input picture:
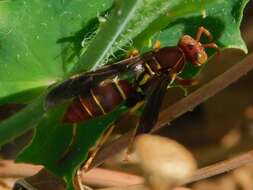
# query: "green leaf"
(100, 47)
(22, 121)
(39, 39)
(43, 52)
(35, 56)
(52, 140)
(221, 18)
(167, 21)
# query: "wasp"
(99, 92)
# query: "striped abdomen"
(101, 100)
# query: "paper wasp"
(99, 92)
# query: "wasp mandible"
(99, 92)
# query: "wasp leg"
(151, 108)
(81, 84)
(133, 53)
(202, 30)
(211, 45)
(78, 180)
(98, 146)
(187, 82)
(132, 111)
(70, 146)
(157, 45)
(129, 149)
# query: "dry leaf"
(164, 162)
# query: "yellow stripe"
(136, 107)
(85, 107)
(157, 63)
(144, 79)
(122, 93)
(173, 77)
(158, 66)
(149, 69)
(97, 102)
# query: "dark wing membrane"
(81, 84)
(68, 89)
(153, 103)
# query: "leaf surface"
(41, 43)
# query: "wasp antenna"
(202, 30)
(211, 45)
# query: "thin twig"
(139, 187)
(103, 177)
(9, 169)
(221, 167)
(206, 172)
(184, 105)
(202, 94)
(95, 177)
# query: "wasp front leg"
(157, 45)
(133, 53)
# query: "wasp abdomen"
(100, 100)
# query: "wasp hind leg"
(70, 146)
(102, 140)
(151, 109)
(92, 154)
(132, 111)
(187, 82)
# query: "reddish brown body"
(101, 100)
(109, 92)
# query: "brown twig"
(184, 105)
(113, 178)
(206, 172)
(221, 167)
(9, 169)
(103, 177)
(202, 94)
(97, 176)
(139, 187)
(108, 178)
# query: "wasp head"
(194, 50)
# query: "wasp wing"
(153, 103)
(81, 84)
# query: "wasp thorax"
(193, 50)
